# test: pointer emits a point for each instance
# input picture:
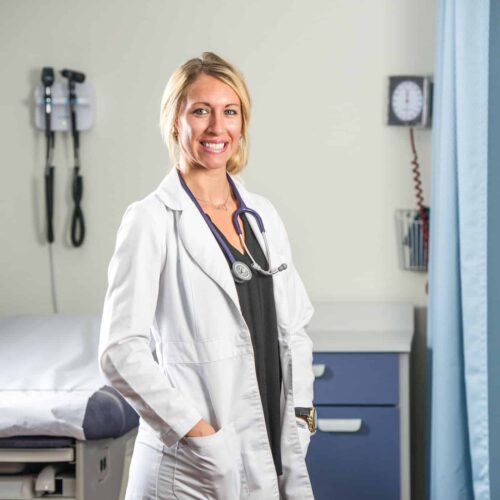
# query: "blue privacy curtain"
(458, 427)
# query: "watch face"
(407, 101)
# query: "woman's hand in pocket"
(208, 466)
(202, 428)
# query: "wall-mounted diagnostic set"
(63, 106)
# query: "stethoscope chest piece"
(241, 272)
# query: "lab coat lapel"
(205, 251)
(196, 236)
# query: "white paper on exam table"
(48, 371)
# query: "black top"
(259, 310)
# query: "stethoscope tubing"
(241, 209)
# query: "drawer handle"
(339, 424)
(319, 370)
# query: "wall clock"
(410, 101)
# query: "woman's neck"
(210, 185)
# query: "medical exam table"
(63, 433)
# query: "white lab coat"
(169, 278)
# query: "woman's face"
(209, 122)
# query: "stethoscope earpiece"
(269, 272)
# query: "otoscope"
(48, 80)
(77, 221)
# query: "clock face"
(407, 101)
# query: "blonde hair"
(175, 92)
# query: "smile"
(214, 147)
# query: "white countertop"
(362, 326)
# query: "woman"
(218, 410)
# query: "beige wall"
(319, 147)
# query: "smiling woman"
(195, 267)
(214, 72)
(209, 123)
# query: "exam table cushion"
(108, 415)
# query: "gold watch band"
(309, 417)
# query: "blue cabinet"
(361, 448)
(358, 465)
(356, 379)
(355, 453)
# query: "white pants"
(195, 468)
(204, 468)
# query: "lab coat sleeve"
(300, 313)
(125, 355)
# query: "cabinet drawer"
(362, 463)
(356, 378)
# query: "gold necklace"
(217, 206)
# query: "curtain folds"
(458, 453)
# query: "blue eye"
(199, 109)
(232, 112)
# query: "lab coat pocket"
(304, 436)
(208, 467)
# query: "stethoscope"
(241, 272)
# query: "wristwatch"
(309, 415)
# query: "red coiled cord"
(419, 193)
